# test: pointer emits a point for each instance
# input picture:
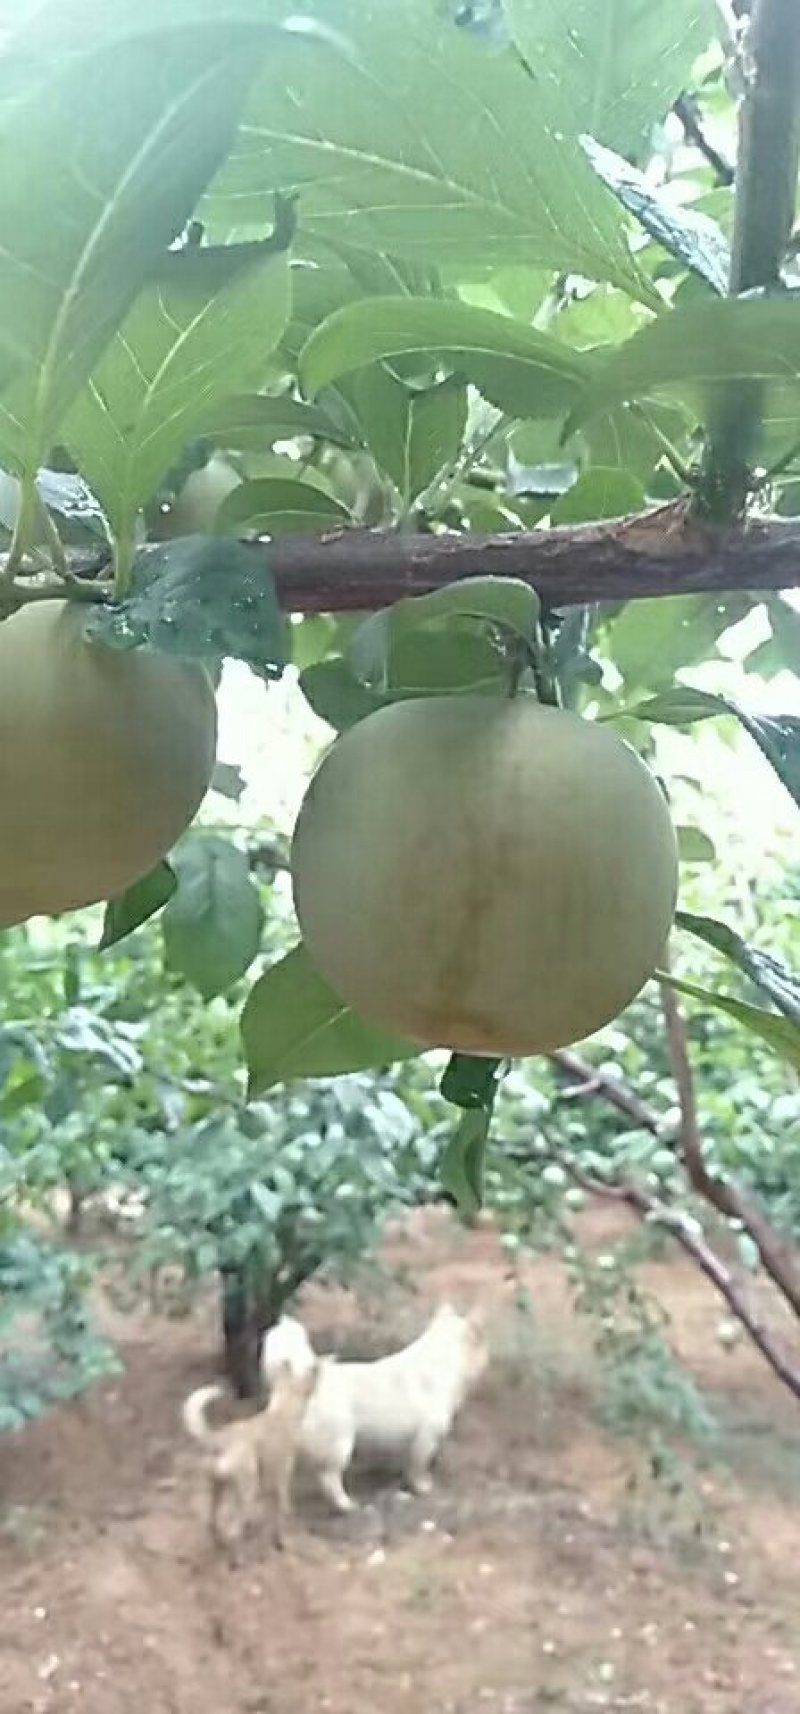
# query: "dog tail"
(193, 1412)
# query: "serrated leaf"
(251, 422)
(203, 329)
(279, 506)
(781, 1034)
(212, 925)
(688, 234)
(294, 1025)
(482, 173)
(92, 193)
(694, 846)
(614, 67)
(520, 370)
(461, 1167)
(701, 345)
(770, 974)
(412, 433)
(137, 904)
(599, 493)
(200, 598)
(502, 603)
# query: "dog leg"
(423, 1450)
(332, 1486)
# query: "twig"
(723, 1194)
(654, 1211)
(611, 1089)
(686, 109)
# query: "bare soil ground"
(546, 1573)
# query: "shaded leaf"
(651, 640)
(694, 846)
(678, 706)
(334, 694)
(106, 155)
(294, 1025)
(770, 974)
(278, 506)
(371, 138)
(503, 603)
(212, 925)
(137, 904)
(701, 344)
(615, 67)
(201, 598)
(251, 421)
(599, 493)
(689, 235)
(520, 370)
(461, 1167)
(412, 433)
(203, 329)
(228, 780)
(470, 1081)
(780, 1034)
(778, 738)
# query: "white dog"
(400, 1408)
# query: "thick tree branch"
(722, 1194)
(658, 553)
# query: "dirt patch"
(545, 1573)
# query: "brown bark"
(658, 553)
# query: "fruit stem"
(124, 554)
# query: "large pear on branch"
(493, 876)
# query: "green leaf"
(212, 925)
(700, 344)
(686, 233)
(777, 735)
(470, 1081)
(678, 706)
(694, 846)
(411, 433)
(228, 780)
(650, 640)
(202, 330)
(251, 422)
(770, 974)
(778, 738)
(599, 493)
(461, 1167)
(503, 603)
(278, 506)
(418, 143)
(782, 1035)
(518, 369)
(614, 68)
(201, 598)
(293, 1025)
(106, 153)
(137, 904)
(334, 694)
